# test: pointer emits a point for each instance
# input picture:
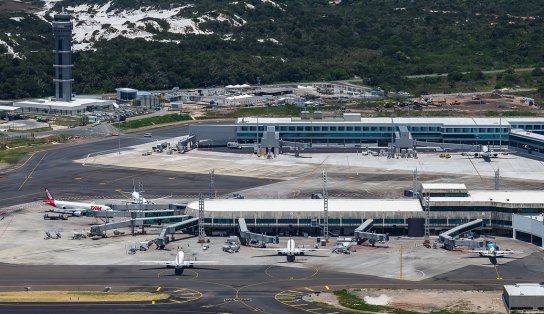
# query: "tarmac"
(236, 289)
(252, 280)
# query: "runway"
(237, 289)
(54, 168)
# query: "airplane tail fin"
(49, 199)
(48, 195)
(133, 186)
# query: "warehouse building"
(524, 297)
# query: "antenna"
(201, 232)
(427, 241)
(325, 208)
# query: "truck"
(232, 245)
(234, 145)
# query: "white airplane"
(137, 198)
(72, 208)
(179, 263)
(491, 251)
(291, 250)
(485, 153)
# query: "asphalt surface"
(237, 289)
(54, 168)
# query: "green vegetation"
(347, 299)
(37, 130)
(511, 113)
(169, 118)
(380, 41)
(277, 111)
(12, 150)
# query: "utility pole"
(427, 241)
(119, 134)
(401, 276)
(497, 180)
(414, 184)
(140, 190)
(211, 186)
(201, 233)
(500, 134)
(325, 208)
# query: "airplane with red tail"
(73, 208)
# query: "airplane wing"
(270, 249)
(502, 253)
(310, 250)
(187, 263)
(481, 252)
(491, 254)
(165, 263)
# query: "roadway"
(238, 289)
(54, 168)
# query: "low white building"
(245, 100)
(77, 106)
(524, 297)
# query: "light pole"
(500, 131)
(119, 134)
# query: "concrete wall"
(213, 135)
(527, 225)
(523, 302)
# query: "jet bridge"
(163, 238)
(247, 236)
(137, 213)
(136, 222)
(450, 238)
(362, 234)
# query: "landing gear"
(179, 271)
(290, 258)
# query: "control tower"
(62, 31)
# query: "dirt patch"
(434, 300)
(423, 300)
(80, 296)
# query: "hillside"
(158, 44)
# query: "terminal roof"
(525, 289)
(452, 122)
(527, 134)
(507, 197)
(8, 108)
(309, 205)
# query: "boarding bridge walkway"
(132, 206)
(135, 213)
(136, 222)
(363, 234)
(449, 146)
(247, 236)
(163, 239)
(449, 240)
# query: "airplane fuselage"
(77, 205)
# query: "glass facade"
(365, 132)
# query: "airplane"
(179, 263)
(491, 250)
(72, 208)
(291, 250)
(137, 198)
(485, 153)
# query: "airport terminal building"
(450, 205)
(352, 130)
